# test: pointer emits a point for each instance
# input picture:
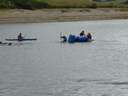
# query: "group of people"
(88, 35)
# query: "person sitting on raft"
(89, 36)
(82, 33)
(20, 37)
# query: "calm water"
(47, 67)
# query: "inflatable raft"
(73, 39)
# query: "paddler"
(20, 37)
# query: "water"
(47, 67)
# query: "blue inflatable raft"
(73, 39)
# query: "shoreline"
(59, 15)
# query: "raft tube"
(73, 39)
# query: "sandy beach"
(57, 15)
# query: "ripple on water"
(114, 83)
(82, 80)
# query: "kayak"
(24, 39)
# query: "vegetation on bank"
(23, 4)
(38, 4)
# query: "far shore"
(60, 15)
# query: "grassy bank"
(38, 4)
(57, 15)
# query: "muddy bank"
(57, 15)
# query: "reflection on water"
(47, 67)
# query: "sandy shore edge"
(58, 15)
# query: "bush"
(23, 4)
(92, 5)
(6, 4)
(39, 4)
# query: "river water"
(47, 67)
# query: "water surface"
(47, 67)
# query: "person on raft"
(82, 33)
(89, 36)
(20, 37)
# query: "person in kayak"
(20, 37)
(89, 36)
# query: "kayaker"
(20, 37)
(89, 36)
(82, 33)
